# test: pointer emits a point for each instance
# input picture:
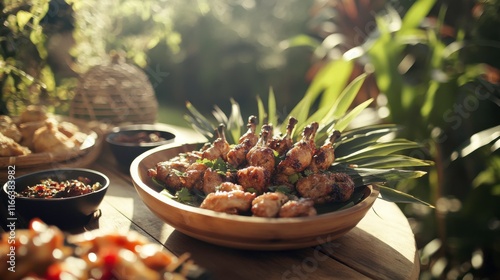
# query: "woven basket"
(115, 93)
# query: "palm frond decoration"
(370, 155)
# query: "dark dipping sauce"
(49, 188)
(140, 137)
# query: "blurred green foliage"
(232, 49)
(435, 65)
(25, 77)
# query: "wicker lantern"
(115, 93)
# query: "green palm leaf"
(271, 108)
(370, 155)
(391, 161)
(262, 111)
(361, 138)
(199, 122)
(345, 99)
(327, 86)
(367, 176)
(392, 195)
(345, 120)
(379, 149)
(235, 123)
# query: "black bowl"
(67, 212)
(126, 151)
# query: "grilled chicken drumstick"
(326, 187)
(325, 155)
(260, 154)
(237, 155)
(299, 157)
(219, 148)
(250, 134)
(283, 144)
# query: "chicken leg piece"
(325, 155)
(237, 155)
(219, 148)
(261, 155)
(283, 144)
(299, 157)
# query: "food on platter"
(263, 175)
(8, 147)
(49, 188)
(9, 128)
(45, 252)
(37, 131)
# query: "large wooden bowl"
(241, 232)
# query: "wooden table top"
(381, 246)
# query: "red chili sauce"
(49, 188)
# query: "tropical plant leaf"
(199, 122)
(476, 141)
(360, 138)
(271, 109)
(300, 41)
(262, 112)
(219, 115)
(379, 149)
(385, 128)
(340, 72)
(235, 123)
(320, 83)
(417, 12)
(344, 121)
(23, 17)
(391, 161)
(367, 176)
(331, 111)
(343, 102)
(393, 195)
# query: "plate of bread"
(37, 137)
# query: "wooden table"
(381, 246)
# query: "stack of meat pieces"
(263, 175)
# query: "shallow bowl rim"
(366, 202)
(139, 127)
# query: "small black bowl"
(125, 150)
(67, 212)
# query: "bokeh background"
(432, 66)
